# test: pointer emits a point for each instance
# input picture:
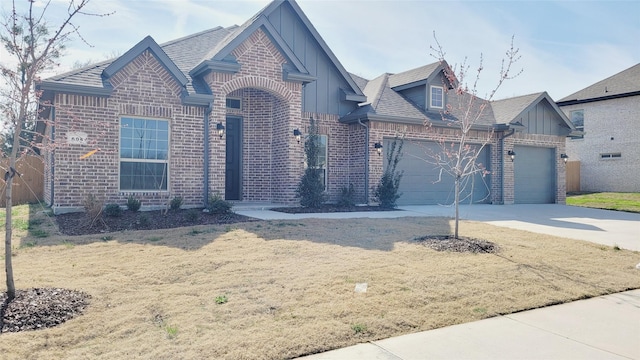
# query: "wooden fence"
(573, 176)
(27, 188)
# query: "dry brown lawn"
(289, 286)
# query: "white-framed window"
(144, 154)
(610, 156)
(577, 118)
(436, 97)
(323, 155)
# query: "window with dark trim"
(234, 103)
(608, 156)
(577, 118)
(144, 154)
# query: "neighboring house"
(217, 112)
(609, 114)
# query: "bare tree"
(33, 46)
(458, 158)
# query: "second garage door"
(420, 185)
(535, 175)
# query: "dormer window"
(436, 97)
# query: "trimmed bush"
(347, 196)
(113, 210)
(217, 205)
(176, 203)
(133, 204)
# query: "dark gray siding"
(535, 175)
(416, 95)
(322, 95)
(542, 119)
(420, 185)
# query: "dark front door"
(234, 155)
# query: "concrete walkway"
(605, 327)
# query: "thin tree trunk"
(457, 205)
(8, 266)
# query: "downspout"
(366, 161)
(207, 112)
(513, 131)
(53, 154)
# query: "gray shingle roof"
(626, 81)
(506, 110)
(185, 52)
(413, 75)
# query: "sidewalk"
(604, 327)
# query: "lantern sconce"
(564, 157)
(512, 154)
(297, 134)
(378, 147)
(220, 129)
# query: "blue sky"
(565, 45)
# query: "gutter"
(366, 161)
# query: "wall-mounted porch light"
(378, 147)
(564, 157)
(297, 134)
(512, 154)
(220, 129)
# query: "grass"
(629, 202)
(290, 289)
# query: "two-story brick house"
(218, 111)
(609, 114)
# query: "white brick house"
(609, 113)
(154, 115)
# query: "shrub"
(92, 207)
(144, 220)
(176, 203)
(133, 204)
(113, 210)
(217, 205)
(386, 192)
(347, 196)
(192, 215)
(310, 189)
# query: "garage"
(534, 175)
(420, 185)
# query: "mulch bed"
(40, 308)
(328, 208)
(80, 224)
(462, 244)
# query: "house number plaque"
(77, 138)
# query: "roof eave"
(601, 98)
(75, 88)
(220, 66)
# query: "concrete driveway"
(600, 226)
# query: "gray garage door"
(419, 184)
(535, 175)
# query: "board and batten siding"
(541, 119)
(322, 95)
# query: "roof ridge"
(381, 89)
(516, 97)
(171, 42)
